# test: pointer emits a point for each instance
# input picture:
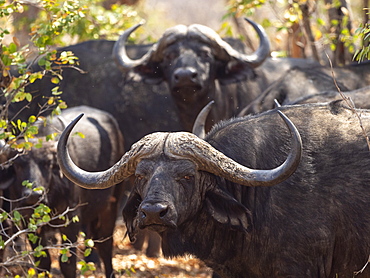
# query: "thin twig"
(349, 102)
(362, 269)
(25, 231)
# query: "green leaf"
(55, 80)
(17, 216)
(28, 97)
(64, 258)
(87, 252)
(32, 237)
(80, 134)
(32, 119)
(39, 188)
(46, 218)
(34, 76)
(3, 216)
(27, 184)
(32, 227)
(2, 243)
(89, 243)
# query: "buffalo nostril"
(163, 213)
(185, 74)
(154, 212)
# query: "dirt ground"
(126, 258)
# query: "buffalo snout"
(185, 77)
(156, 216)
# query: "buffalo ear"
(129, 213)
(149, 74)
(234, 71)
(226, 210)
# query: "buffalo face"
(189, 69)
(165, 195)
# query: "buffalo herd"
(273, 183)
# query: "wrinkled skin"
(97, 210)
(311, 225)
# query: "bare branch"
(362, 269)
(41, 224)
(349, 102)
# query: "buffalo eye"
(169, 56)
(187, 178)
(139, 177)
(205, 53)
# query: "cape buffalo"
(97, 210)
(358, 98)
(303, 217)
(303, 84)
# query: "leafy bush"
(56, 21)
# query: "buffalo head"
(190, 59)
(171, 168)
(38, 165)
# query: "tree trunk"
(307, 27)
(336, 16)
(365, 23)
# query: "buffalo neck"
(188, 108)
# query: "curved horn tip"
(133, 28)
(208, 106)
(277, 103)
(77, 119)
(247, 19)
(200, 121)
(286, 119)
(250, 21)
(293, 129)
(74, 122)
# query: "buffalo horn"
(200, 122)
(255, 59)
(181, 145)
(263, 51)
(103, 179)
(119, 53)
(211, 160)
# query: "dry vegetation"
(128, 262)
